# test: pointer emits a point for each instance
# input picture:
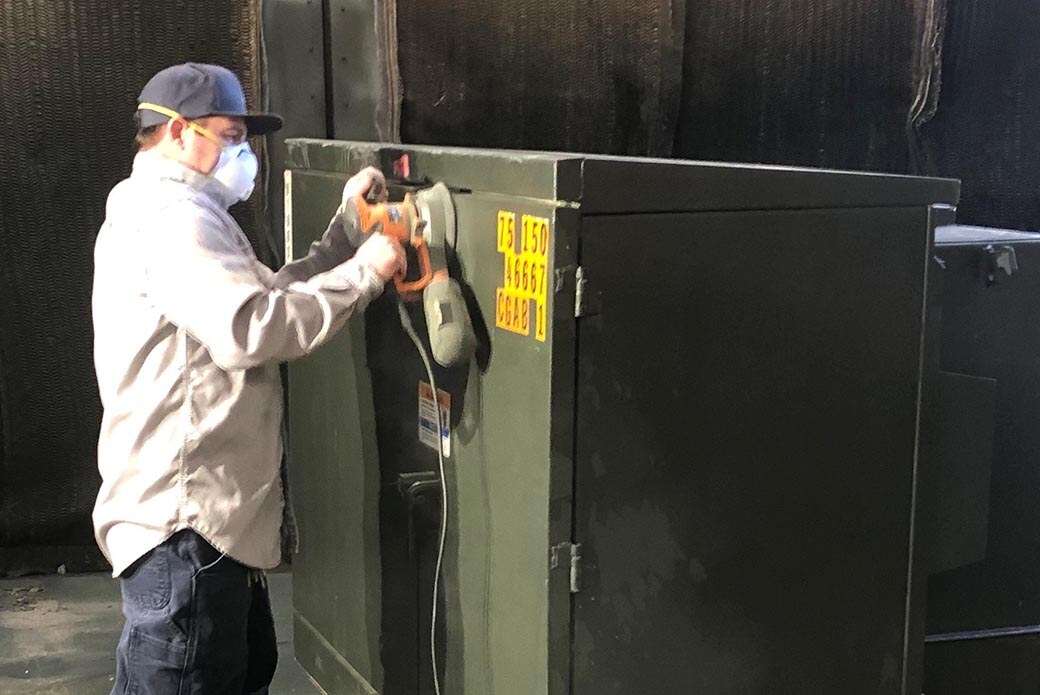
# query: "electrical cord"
(406, 324)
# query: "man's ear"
(175, 128)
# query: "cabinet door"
(748, 411)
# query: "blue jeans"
(197, 623)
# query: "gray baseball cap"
(197, 90)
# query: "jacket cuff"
(361, 276)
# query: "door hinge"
(586, 298)
(569, 553)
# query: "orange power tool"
(403, 222)
(425, 222)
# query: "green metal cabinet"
(699, 478)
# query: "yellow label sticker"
(525, 274)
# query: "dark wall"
(806, 82)
(70, 72)
(909, 86)
(905, 86)
(985, 130)
(530, 74)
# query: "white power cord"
(406, 324)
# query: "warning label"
(428, 418)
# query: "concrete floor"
(58, 635)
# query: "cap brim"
(257, 123)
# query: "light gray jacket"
(189, 329)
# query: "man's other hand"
(368, 183)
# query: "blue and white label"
(428, 418)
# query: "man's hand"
(383, 255)
(368, 183)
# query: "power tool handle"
(412, 289)
(367, 217)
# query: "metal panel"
(294, 59)
(746, 452)
(990, 330)
(496, 584)
(361, 59)
(508, 476)
(627, 185)
(615, 185)
(964, 235)
(335, 484)
(1006, 666)
(745, 473)
(544, 176)
(953, 516)
(563, 411)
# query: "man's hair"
(148, 137)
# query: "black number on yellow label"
(506, 231)
(525, 276)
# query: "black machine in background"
(983, 610)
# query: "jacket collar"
(153, 165)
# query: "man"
(189, 331)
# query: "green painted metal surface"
(509, 622)
(746, 508)
(335, 481)
(507, 460)
(612, 185)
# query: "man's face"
(197, 150)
